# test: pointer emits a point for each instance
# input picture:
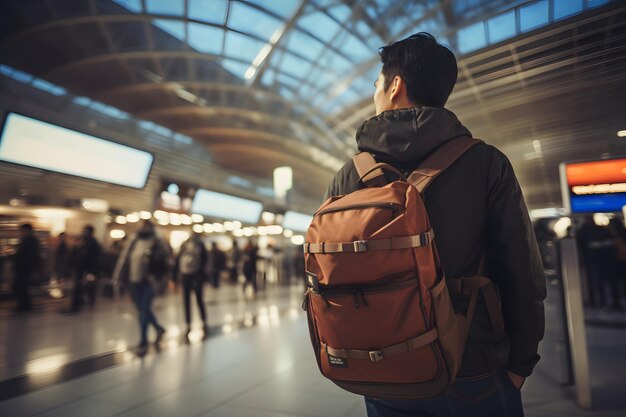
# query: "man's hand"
(517, 380)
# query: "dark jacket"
(89, 257)
(27, 257)
(476, 206)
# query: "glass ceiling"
(323, 52)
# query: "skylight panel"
(165, 7)
(242, 46)
(213, 11)
(205, 38)
(304, 45)
(320, 24)
(472, 37)
(502, 27)
(249, 20)
(534, 15)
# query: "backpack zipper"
(389, 206)
(355, 290)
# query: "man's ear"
(397, 85)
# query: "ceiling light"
(622, 133)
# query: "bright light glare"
(47, 364)
(121, 220)
(297, 240)
(117, 234)
(561, 226)
(132, 218)
(601, 219)
(622, 133)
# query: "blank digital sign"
(297, 221)
(595, 186)
(31, 142)
(226, 206)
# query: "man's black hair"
(89, 229)
(428, 68)
(26, 226)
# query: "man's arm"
(515, 266)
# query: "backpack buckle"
(376, 355)
(360, 246)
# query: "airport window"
(472, 37)
(241, 46)
(288, 80)
(565, 8)
(235, 67)
(366, 35)
(173, 27)
(205, 38)
(213, 11)
(132, 5)
(295, 66)
(502, 27)
(284, 8)
(166, 7)
(304, 45)
(534, 15)
(340, 12)
(268, 77)
(255, 22)
(354, 48)
(336, 63)
(324, 27)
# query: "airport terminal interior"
(215, 128)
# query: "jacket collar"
(408, 136)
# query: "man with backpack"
(143, 262)
(190, 267)
(389, 311)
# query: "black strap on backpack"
(372, 174)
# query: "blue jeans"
(143, 294)
(489, 395)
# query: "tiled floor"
(264, 370)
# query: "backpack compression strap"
(439, 160)
(364, 162)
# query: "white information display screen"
(226, 206)
(297, 221)
(31, 142)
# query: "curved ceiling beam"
(255, 116)
(305, 153)
(306, 175)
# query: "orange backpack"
(380, 317)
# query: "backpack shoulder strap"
(364, 162)
(439, 160)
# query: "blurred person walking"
(250, 257)
(218, 264)
(62, 258)
(235, 260)
(143, 263)
(27, 262)
(88, 254)
(190, 266)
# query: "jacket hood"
(406, 136)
